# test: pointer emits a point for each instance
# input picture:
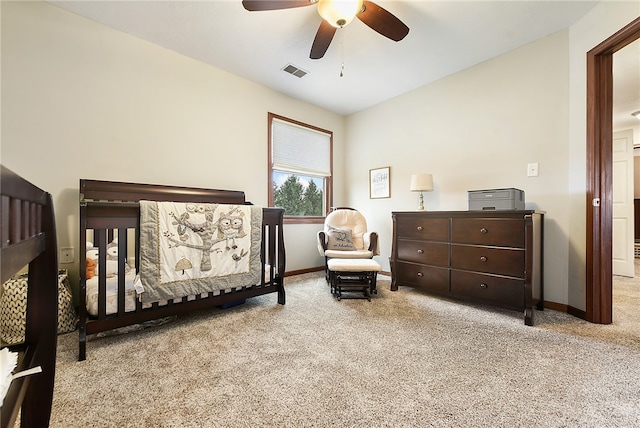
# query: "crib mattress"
(112, 294)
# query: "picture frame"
(379, 179)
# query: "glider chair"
(345, 236)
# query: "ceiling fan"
(336, 14)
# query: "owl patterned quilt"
(191, 248)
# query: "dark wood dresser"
(488, 257)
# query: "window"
(300, 169)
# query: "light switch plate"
(532, 170)
(66, 255)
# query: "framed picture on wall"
(379, 183)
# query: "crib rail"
(28, 237)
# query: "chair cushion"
(348, 219)
(358, 254)
(340, 239)
(353, 265)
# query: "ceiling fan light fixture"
(339, 13)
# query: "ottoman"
(353, 275)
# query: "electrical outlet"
(532, 170)
(66, 255)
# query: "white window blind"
(299, 149)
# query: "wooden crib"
(111, 209)
(29, 238)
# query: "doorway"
(599, 172)
(623, 171)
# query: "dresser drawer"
(431, 278)
(500, 261)
(425, 252)
(435, 229)
(506, 232)
(505, 292)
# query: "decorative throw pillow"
(13, 308)
(340, 239)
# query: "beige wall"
(81, 100)
(477, 129)
(81, 93)
(480, 128)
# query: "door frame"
(599, 255)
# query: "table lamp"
(421, 183)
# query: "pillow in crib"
(340, 239)
(13, 308)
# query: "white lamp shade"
(421, 183)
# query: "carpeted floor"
(405, 359)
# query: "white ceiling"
(444, 37)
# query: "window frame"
(328, 181)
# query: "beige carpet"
(405, 359)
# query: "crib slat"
(15, 221)
(122, 259)
(100, 236)
(4, 212)
(263, 257)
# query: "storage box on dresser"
(488, 257)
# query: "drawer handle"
(419, 228)
(420, 274)
(483, 285)
(483, 230)
(483, 259)
(420, 251)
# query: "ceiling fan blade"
(323, 40)
(383, 21)
(260, 5)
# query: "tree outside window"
(298, 195)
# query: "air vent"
(292, 69)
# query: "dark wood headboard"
(97, 190)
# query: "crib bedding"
(194, 248)
(112, 294)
